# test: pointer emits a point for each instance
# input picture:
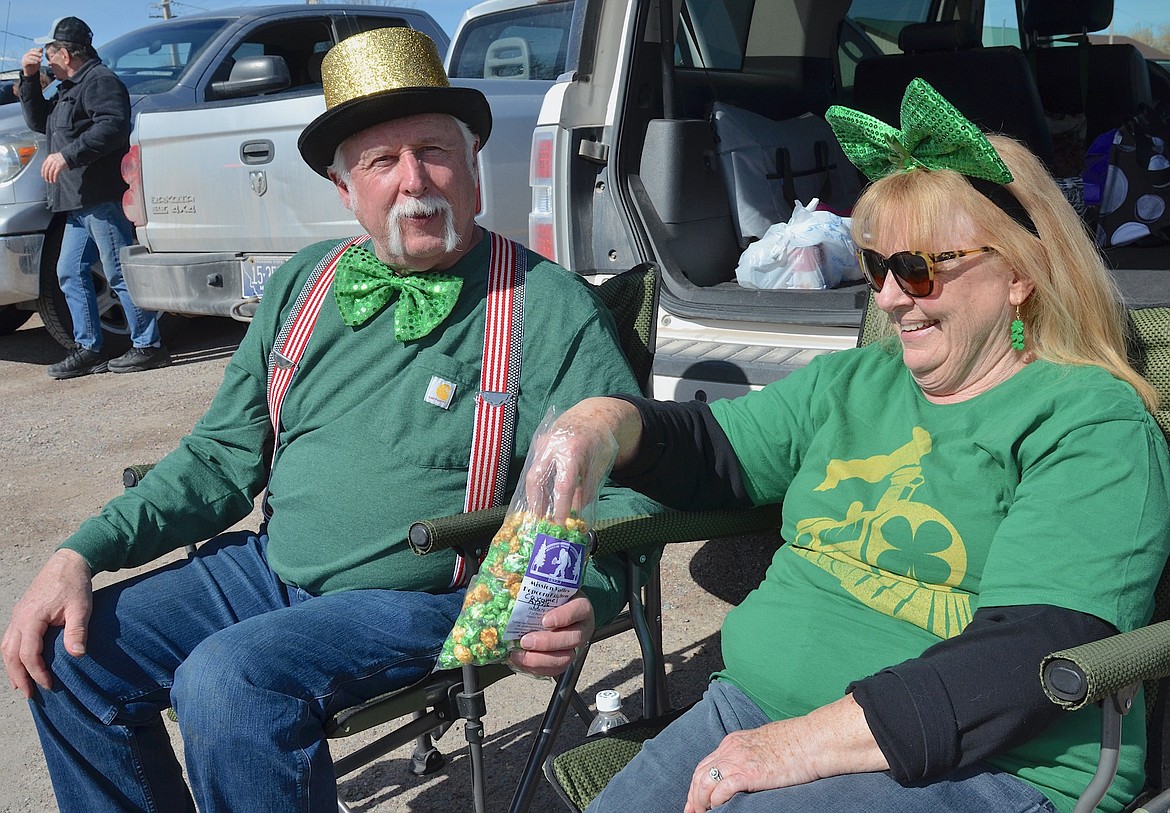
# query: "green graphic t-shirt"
(903, 517)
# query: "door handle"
(260, 151)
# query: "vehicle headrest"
(945, 36)
(1052, 18)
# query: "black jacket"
(88, 122)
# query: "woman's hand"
(570, 461)
(829, 741)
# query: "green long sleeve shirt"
(362, 455)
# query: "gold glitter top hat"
(382, 75)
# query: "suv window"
(299, 42)
(522, 43)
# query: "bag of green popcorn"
(533, 564)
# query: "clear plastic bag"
(533, 564)
(813, 249)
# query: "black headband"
(1006, 201)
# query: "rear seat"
(1116, 79)
(993, 87)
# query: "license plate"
(256, 272)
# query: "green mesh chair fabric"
(632, 298)
(874, 323)
(581, 772)
(1150, 353)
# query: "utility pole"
(165, 7)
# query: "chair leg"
(554, 714)
(426, 758)
(646, 614)
(472, 709)
(342, 807)
(1111, 714)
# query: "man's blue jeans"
(657, 780)
(253, 668)
(105, 226)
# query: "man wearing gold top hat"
(367, 355)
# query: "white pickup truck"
(221, 197)
(201, 62)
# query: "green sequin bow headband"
(363, 285)
(934, 135)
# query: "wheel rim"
(111, 314)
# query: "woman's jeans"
(658, 778)
(105, 226)
(254, 669)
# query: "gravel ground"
(64, 444)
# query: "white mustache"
(420, 207)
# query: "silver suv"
(626, 161)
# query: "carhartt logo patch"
(440, 392)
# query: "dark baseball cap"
(68, 29)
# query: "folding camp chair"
(434, 704)
(1109, 672)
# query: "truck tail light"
(132, 199)
(541, 234)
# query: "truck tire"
(55, 312)
(11, 318)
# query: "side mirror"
(252, 76)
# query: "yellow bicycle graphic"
(901, 557)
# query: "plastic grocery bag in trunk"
(812, 250)
(533, 564)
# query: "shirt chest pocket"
(68, 119)
(431, 424)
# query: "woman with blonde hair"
(1074, 314)
(984, 488)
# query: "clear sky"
(22, 20)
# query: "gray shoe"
(78, 363)
(137, 359)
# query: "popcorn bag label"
(552, 577)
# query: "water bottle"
(609, 713)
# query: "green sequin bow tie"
(934, 135)
(363, 284)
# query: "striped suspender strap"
(294, 337)
(494, 435)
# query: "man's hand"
(53, 166)
(59, 596)
(565, 628)
(30, 63)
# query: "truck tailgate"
(231, 177)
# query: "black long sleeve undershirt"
(684, 460)
(972, 696)
(963, 699)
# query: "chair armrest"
(132, 475)
(1077, 677)
(613, 535)
(458, 530)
